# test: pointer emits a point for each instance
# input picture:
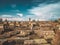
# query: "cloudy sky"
(34, 9)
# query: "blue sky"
(34, 9)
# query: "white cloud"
(13, 19)
(20, 14)
(46, 12)
(6, 16)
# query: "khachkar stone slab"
(37, 35)
(56, 39)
